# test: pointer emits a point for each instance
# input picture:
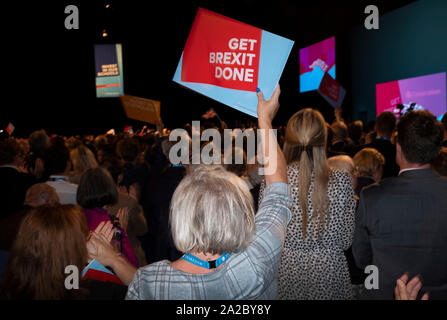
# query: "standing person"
(14, 182)
(313, 264)
(57, 168)
(95, 192)
(229, 254)
(401, 222)
(385, 125)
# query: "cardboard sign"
(331, 91)
(97, 271)
(109, 70)
(141, 109)
(226, 60)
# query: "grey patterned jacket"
(250, 274)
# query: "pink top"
(95, 217)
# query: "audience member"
(38, 142)
(14, 182)
(156, 200)
(228, 255)
(401, 222)
(341, 144)
(345, 164)
(57, 168)
(37, 195)
(97, 190)
(385, 125)
(440, 163)
(322, 223)
(82, 159)
(368, 164)
(356, 132)
(50, 238)
(137, 225)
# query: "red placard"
(330, 87)
(222, 51)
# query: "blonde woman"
(368, 167)
(313, 265)
(82, 159)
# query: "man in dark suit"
(401, 223)
(385, 125)
(13, 182)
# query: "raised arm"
(266, 112)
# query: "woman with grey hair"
(228, 253)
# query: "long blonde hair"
(305, 142)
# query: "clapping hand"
(98, 245)
(408, 291)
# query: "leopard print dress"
(312, 268)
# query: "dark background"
(50, 75)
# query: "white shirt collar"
(410, 169)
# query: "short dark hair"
(96, 189)
(420, 136)
(9, 150)
(55, 158)
(38, 141)
(128, 149)
(114, 166)
(386, 123)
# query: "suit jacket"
(13, 187)
(401, 226)
(388, 150)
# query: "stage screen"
(315, 60)
(419, 93)
(109, 70)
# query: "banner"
(331, 91)
(141, 109)
(226, 60)
(315, 61)
(109, 70)
(420, 93)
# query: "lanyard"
(57, 179)
(177, 165)
(206, 264)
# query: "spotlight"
(107, 6)
(104, 33)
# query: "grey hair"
(212, 212)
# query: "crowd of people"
(342, 197)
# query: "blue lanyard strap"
(206, 264)
(57, 179)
